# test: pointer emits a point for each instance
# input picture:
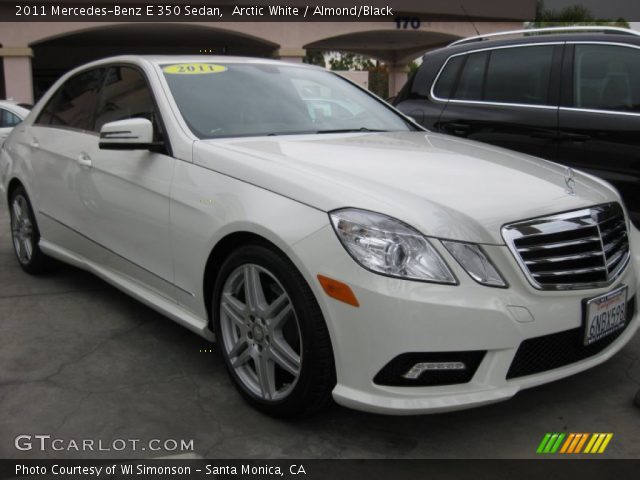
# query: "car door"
(126, 193)
(506, 96)
(599, 119)
(59, 140)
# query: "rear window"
(8, 119)
(471, 80)
(446, 81)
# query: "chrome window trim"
(570, 29)
(606, 112)
(524, 105)
(482, 102)
(498, 104)
(509, 237)
(599, 42)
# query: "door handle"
(84, 160)
(34, 143)
(461, 129)
(575, 137)
(545, 135)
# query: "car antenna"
(464, 10)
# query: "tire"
(25, 235)
(278, 331)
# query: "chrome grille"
(581, 249)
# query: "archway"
(390, 46)
(396, 48)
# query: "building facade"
(35, 54)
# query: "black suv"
(571, 97)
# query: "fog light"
(415, 371)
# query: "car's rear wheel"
(25, 235)
(271, 333)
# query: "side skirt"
(129, 286)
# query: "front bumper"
(399, 316)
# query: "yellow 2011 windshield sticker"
(193, 68)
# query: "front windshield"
(252, 99)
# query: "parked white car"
(11, 114)
(356, 257)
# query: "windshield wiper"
(351, 130)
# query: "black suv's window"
(74, 104)
(606, 77)
(519, 75)
(447, 79)
(470, 83)
(505, 75)
(8, 119)
(125, 95)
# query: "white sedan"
(11, 114)
(354, 257)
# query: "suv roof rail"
(581, 28)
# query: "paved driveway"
(80, 360)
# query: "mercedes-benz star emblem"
(570, 181)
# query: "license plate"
(605, 315)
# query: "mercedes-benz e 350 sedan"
(333, 248)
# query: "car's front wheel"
(271, 333)
(25, 234)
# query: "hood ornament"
(570, 181)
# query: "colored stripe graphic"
(568, 442)
(598, 443)
(543, 443)
(581, 443)
(550, 443)
(573, 443)
(603, 447)
(590, 444)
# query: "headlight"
(475, 262)
(387, 246)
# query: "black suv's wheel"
(25, 234)
(271, 333)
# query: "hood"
(443, 186)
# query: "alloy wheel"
(22, 229)
(260, 332)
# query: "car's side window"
(8, 119)
(126, 95)
(447, 78)
(74, 104)
(606, 77)
(519, 75)
(471, 80)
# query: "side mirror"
(129, 134)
